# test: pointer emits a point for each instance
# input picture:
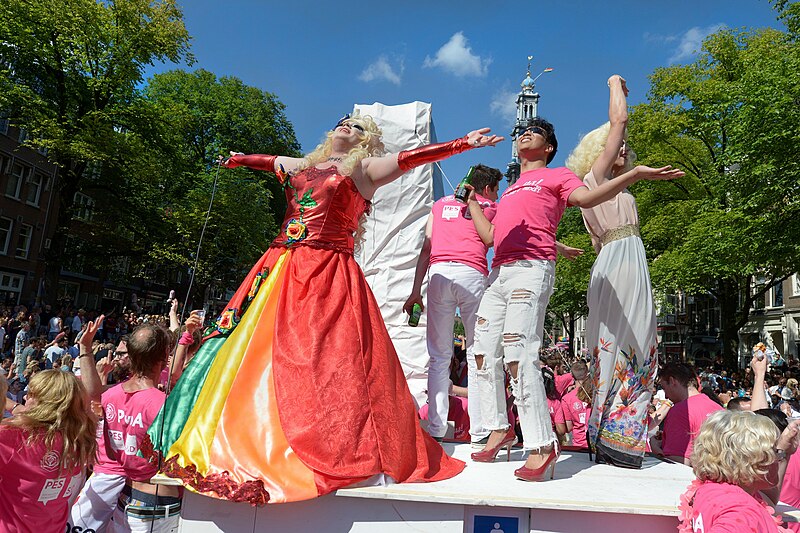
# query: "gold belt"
(621, 232)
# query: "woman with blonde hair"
(299, 391)
(737, 455)
(621, 326)
(44, 451)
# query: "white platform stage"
(485, 498)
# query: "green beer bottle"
(462, 193)
(416, 312)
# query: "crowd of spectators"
(687, 400)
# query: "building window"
(4, 125)
(796, 285)
(34, 191)
(5, 234)
(10, 288)
(777, 295)
(24, 241)
(68, 291)
(83, 207)
(19, 173)
(23, 135)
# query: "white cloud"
(381, 69)
(456, 57)
(692, 40)
(504, 105)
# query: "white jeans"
(96, 502)
(509, 330)
(452, 285)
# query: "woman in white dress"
(621, 327)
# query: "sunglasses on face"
(350, 124)
(536, 129)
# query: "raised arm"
(483, 225)
(422, 268)
(583, 197)
(89, 375)
(383, 170)
(618, 117)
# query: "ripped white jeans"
(508, 330)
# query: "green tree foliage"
(731, 120)
(68, 75)
(568, 302)
(204, 117)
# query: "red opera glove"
(255, 161)
(408, 159)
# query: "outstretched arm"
(422, 268)
(583, 197)
(383, 170)
(618, 117)
(267, 163)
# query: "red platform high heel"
(487, 455)
(538, 474)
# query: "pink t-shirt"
(556, 412)
(724, 508)
(127, 418)
(34, 494)
(790, 491)
(528, 215)
(577, 412)
(683, 422)
(454, 237)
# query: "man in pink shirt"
(454, 257)
(508, 329)
(120, 491)
(683, 421)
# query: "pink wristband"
(186, 339)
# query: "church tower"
(527, 109)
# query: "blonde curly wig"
(590, 147)
(734, 447)
(371, 145)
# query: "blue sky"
(466, 58)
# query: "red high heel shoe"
(487, 455)
(538, 474)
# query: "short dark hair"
(148, 345)
(681, 372)
(483, 176)
(551, 135)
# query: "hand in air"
(616, 78)
(479, 139)
(227, 162)
(663, 173)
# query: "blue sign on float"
(495, 524)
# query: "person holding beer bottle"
(454, 257)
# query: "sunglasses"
(345, 121)
(536, 129)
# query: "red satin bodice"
(324, 209)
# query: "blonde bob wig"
(60, 406)
(371, 145)
(589, 148)
(734, 447)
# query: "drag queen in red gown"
(300, 392)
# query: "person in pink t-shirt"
(508, 330)
(577, 404)
(684, 419)
(119, 494)
(736, 456)
(554, 403)
(44, 450)
(454, 257)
